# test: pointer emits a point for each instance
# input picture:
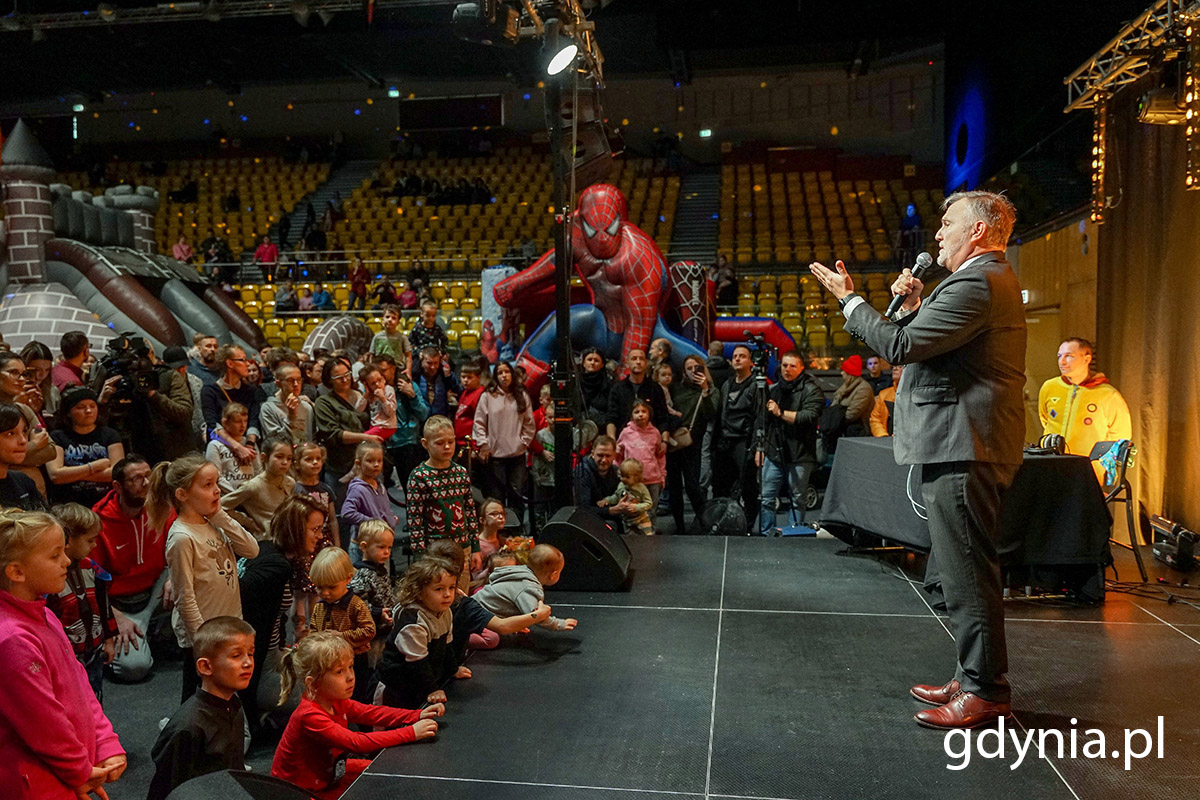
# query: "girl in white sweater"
(203, 546)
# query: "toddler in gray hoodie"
(517, 588)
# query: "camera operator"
(789, 452)
(734, 474)
(147, 402)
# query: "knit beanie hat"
(74, 396)
(853, 366)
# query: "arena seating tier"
(389, 233)
(265, 185)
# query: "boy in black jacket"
(207, 733)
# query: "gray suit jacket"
(960, 399)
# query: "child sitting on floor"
(341, 611)
(83, 606)
(518, 589)
(207, 733)
(312, 753)
(419, 659)
(631, 499)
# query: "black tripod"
(760, 355)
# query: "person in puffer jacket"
(643, 441)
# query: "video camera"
(761, 351)
(129, 357)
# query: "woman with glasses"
(338, 424)
(296, 528)
(17, 386)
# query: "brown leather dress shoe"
(935, 695)
(964, 710)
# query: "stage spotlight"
(1160, 106)
(560, 49)
(107, 12)
(487, 22)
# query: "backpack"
(721, 516)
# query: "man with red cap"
(856, 396)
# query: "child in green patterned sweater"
(440, 505)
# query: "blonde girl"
(203, 546)
(58, 744)
(318, 735)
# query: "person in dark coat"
(794, 406)
(637, 386)
(266, 586)
(595, 385)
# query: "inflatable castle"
(73, 261)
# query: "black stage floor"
(769, 668)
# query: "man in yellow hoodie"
(1081, 404)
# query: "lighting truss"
(1099, 156)
(1192, 102)
(190, 10)
(1129, 55)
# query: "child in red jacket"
(313, 753)
(56, 741)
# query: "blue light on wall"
(966, 139)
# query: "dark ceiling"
(636, 36)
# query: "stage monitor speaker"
(597, 560)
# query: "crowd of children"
(361, 655)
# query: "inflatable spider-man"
(626, 277)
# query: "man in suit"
(959, 415)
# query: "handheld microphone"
(920, 270)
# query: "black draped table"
(1054, 513)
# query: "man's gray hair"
(994, 210)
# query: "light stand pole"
(563, 374)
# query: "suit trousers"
(963, 501)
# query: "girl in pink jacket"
(55, 742)
(643, 441)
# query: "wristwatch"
(844, 300)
